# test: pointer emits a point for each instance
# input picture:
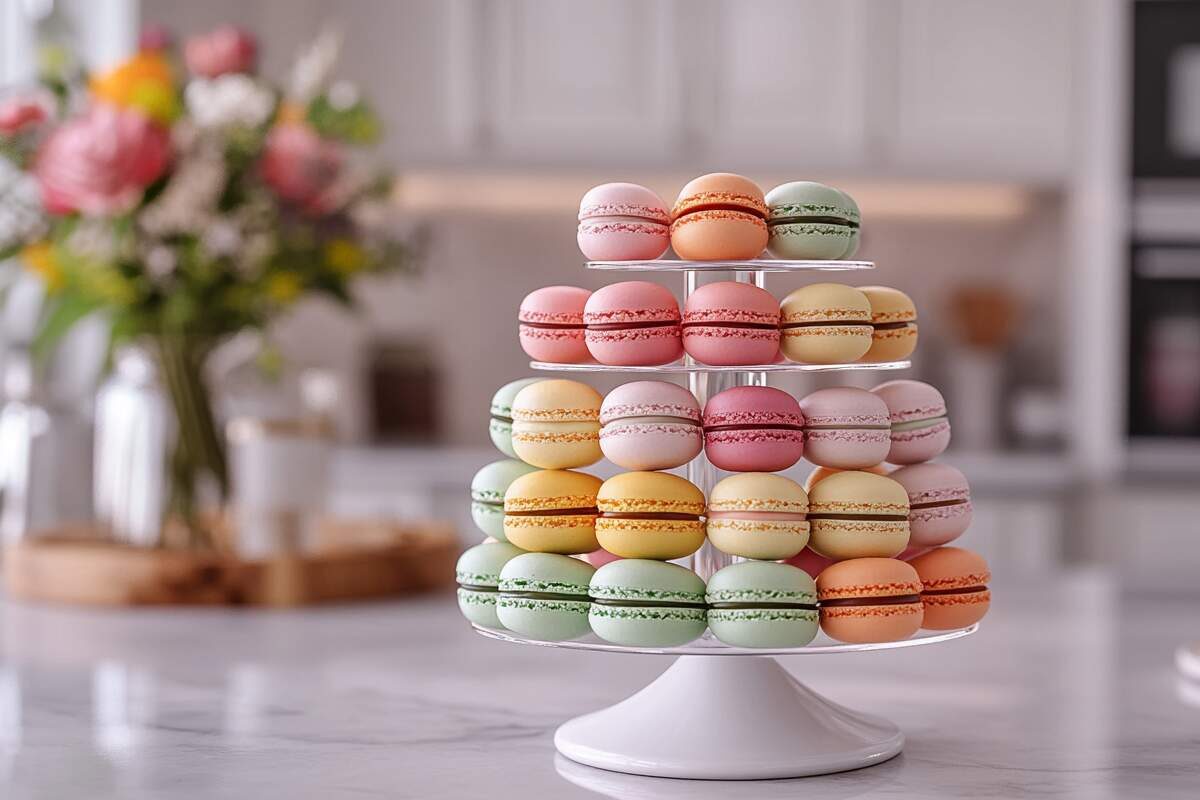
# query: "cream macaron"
(758, 515)
(556, 424)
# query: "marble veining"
(1067, 691)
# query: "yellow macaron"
(650, 515)
(894, 324)
(855, 514)
(825, 323)
(556, 424)
(552, 511)
(758, 515)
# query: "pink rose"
(19, 114)
(227, 49)
(301, 167)
(100, 162)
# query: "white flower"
(310, 73)
(160, 261)
(229, 100)
(188, 202)
(21, 217)
(222, 238)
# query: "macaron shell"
(810, 240)
(662, 540)
(890, 306)
(711, 318)
(640, 623)
(762, 449)
(552, 490)
(919, 444)
(545, 619)
(932, 483)
(810, 562)
(821, 473)
(622, 240)
(556, 424)
(868, 624)
(647, 626)
(633, 303)
(650, 445)
(758, 515)
(767, 540)
(501, 430)
(912, 402)
(770, 584)
(554, 305)
(620, 199)
(763, 627)
(853, 446)
(718, 235)
(720, 190)
(487, 494)
(836, 343)
(858, 494)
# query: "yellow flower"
(40, 259)
(345, 257)
(284, 287)
(290, 112)
(143, 82)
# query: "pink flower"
(18, 114)
(227, 49)
(154, 37)
(100, 162)
(301, 167)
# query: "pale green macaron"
(500, 425)
(478, 575)
(545, 596)
(809, 220)
(487, 494)
(762, 604)
(643, 603)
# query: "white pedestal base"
(724, 718)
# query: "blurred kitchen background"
(1028, 171)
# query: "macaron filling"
(889, 600)
(918, 424)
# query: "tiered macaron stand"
(722, 712)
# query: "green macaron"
(487, 494)
(545, 596)
(500, 426)
(478, 575)
(643, 603)
(809, 220)
(762, 604)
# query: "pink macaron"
(753, 429)
(939, 502)
(731, 324)
(920, 427)
(623, 222)
(633, 324)
(551, 324)
(845, 428)
(649, 425)
(809, 561)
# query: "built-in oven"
(1166, 89)
(1164, 341)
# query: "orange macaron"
(719, 217)
(954, 587)
(869, 600)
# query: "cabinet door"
(581, 82)
(984, 87)
(788, 80)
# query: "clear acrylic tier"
(750, 265)
(682, 367)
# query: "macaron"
(719, 217)
(845, 428)
(622, 222)
(821, 473)
(809, 561)
(649, 425)
(545, 596)
(857, 515)
(758, 515)
(939, 502)
(731, 324)
(753, 429)
(487, 494)
(550, 324)
(762, 604)
(893, 324)
(556, 424)
(500, 424)
(552, 511)
(633, 324)
(920, 427)
(809, 220)
(825, 323)
(643, 603)
(650, 515)
(954, 587)
(869, 600)
(478, 576)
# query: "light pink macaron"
(939, 501)
(649, 425)
(753, 429)
(633, 324)
(731, 324)
(623, 222)
(551, 324)
(845, 428)
(920, 427)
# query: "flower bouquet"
(188, 200)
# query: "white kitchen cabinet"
(982, 88)
(580, 82)
(784, 82)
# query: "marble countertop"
(1068, 690)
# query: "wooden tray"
(362, 560)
